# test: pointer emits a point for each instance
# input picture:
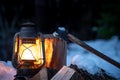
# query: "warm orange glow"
(15, 45)
(31, 51)
(48, 51)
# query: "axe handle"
(94, 51)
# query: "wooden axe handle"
(94, 51)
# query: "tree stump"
(55, 52)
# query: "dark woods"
(83, 18)
(86, 19)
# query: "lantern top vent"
(28, 30)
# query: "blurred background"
(86, 19)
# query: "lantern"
(28, 52)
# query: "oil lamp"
(28, 51)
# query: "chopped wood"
(65, 73)
(71, 72)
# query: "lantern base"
(28, 63)
(26, 73)
(20, 78)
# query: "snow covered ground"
(92, 63)
(82, 58)
(7, 71)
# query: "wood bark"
(58, 58)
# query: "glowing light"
(48, 51)
(31, 51)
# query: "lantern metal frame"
(26, 72)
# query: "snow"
(7, 71)
(82, 58)
(92, 63)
